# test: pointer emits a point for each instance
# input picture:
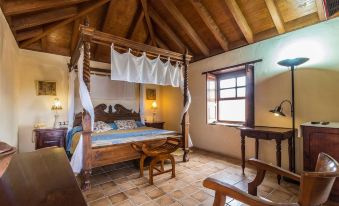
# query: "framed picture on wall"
(47, 88)
(151, 94)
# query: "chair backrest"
(316, 186)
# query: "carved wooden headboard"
(120, 113)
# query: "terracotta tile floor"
(120, 184)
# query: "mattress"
(112, 137)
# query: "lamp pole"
(293, 119)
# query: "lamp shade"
(293, 62)
(154, 105)
(278, 111)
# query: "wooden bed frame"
(99, 156)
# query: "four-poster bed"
(100, 156)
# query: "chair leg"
(151, 166)
(173, 165)
(219, 199)
(141, 164)
(162, 165)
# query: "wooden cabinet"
(50, 137)
(321, 138)
(158, 125)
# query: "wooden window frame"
(248, 72)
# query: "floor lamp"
(278, 111)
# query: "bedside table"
(50, 137)
(158, 125)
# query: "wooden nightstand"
(158, 125)
(50, 137)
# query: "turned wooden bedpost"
(185, 120)
(86, 118)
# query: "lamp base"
(56, 117)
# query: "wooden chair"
(315, 187)
(158, 154)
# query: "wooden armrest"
(261, 165)
(223, 189)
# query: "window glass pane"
(241, 92)
(227, 93)
(227, 83)
(241, 81)
(232, 110)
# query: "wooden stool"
(158, 154)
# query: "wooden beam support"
(161, 44)
(276, 17)
(210, 23)
(20, 7)
(321, 10)
(166, 28)
(240, 19)
(20, 36)
(75, 34)
(181, 20)
(144, 4)
(32, 20)
(139, 23)
(82, 13)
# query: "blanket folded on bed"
(120, 136)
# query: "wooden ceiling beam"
(82, 13)
(20, 7)
(240, 19)
(20, 36)
(161, 44)
(75, 34)
(139, 23)
(321, 10)
(144, 5)
(166, 28)
(182, 21)
(276, 17)
(33, 20)
(210, 23)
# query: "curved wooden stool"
(159, 154)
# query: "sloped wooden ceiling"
(204, 27)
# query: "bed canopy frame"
(89, 36)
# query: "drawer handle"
(51, 141)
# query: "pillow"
(140, 124)
(113, 126)
(126, 124)
(101, 126)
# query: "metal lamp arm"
(289, 102)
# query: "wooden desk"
(40, 178)
(267, 133)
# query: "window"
(230, 96)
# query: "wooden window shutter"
(211, 98)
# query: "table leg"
(243, 154)
(256, 148)
(278, 153)
(290, 155)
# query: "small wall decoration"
(151, 94)
(45, 88)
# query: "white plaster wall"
(317, 83)
(8, 91)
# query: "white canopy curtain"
(127, 67)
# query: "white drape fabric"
(71, 97)
(130, 68)
(76, 161)
(141, 104)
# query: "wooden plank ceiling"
(204, 27)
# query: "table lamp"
(154, 107)
(278, 110)
(56, 107)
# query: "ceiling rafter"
(240, 19)
(20, 7)
(75, 34)
(161, 43)
(23, 35)
(145, 6)
(182, 21)
(321, 10)
(139, 22)
(210, 23)
(276, 17)
(166, 28)
(46, 17)
(82, 13)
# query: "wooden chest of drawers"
(318, 139)
(50, 137)
(158, 125)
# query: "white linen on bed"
(77, 158)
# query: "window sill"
(227, 124)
